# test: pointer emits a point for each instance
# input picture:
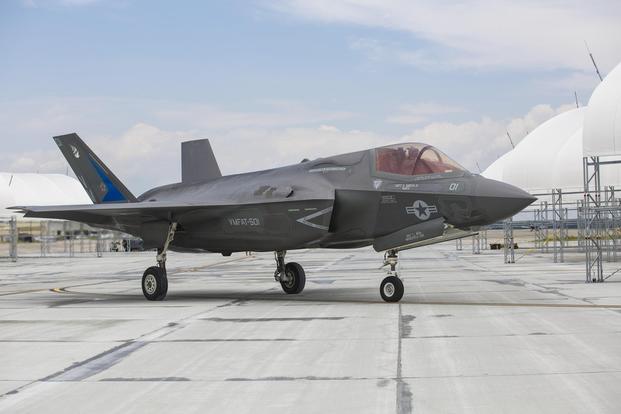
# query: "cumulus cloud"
(482, 142)
(147, 153)
(526, 34)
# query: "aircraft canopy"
(414, 159)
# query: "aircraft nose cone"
(499, 200)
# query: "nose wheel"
(291, 276)
(391, 288)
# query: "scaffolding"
(13, 239)
(601, 212)
(540, 227)
(508, 245)
(611, 224)
(476, 243)
(55, 238)
(559, 225)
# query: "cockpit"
(414, 159)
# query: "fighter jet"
(394, 198)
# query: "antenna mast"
(576, 96)
(593, 60)
(510, 140)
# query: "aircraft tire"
(391, 289)
(154, 283)
(298, 278)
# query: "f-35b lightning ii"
(394, 198)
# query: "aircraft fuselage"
(336, 202)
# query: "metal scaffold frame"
(509, 246)
(593, 210)
(559, 228)
(541, 227)
(611, 224)
(476, 243)
(580, 224)
(14, 237)
(53, 238)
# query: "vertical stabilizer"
(198, 162)
(100, 183)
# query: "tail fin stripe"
(111, 192)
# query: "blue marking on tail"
(113, 193)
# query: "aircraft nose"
(498, 200)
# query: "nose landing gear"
(291, 275)
(154, 279)
(391, 288)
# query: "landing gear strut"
(391, 288)
(154, 280)
(290, 275)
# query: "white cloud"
(580, 81)
(528, 34)
(382, 52)
(411, 114)
(278, 113)
(147, 153)
(481, 142)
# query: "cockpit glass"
(414, 159)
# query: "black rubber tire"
(154, 275)
(391, 289)
(298, 281)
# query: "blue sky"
(272, 82)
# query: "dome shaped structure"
(549, 157)
(39, 189)
(602, 123)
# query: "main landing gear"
(391, 288)
(154, 280)
(290, 275)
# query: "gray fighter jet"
(395, 198)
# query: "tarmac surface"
(471, 335)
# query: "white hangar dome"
(29, 189)
(551, 155)
(602, 123)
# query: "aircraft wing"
(116, 215)
(111, 213)
(150, 219)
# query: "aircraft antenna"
(510, 140)
(576, 97)
(593, 60)
(478, 166)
